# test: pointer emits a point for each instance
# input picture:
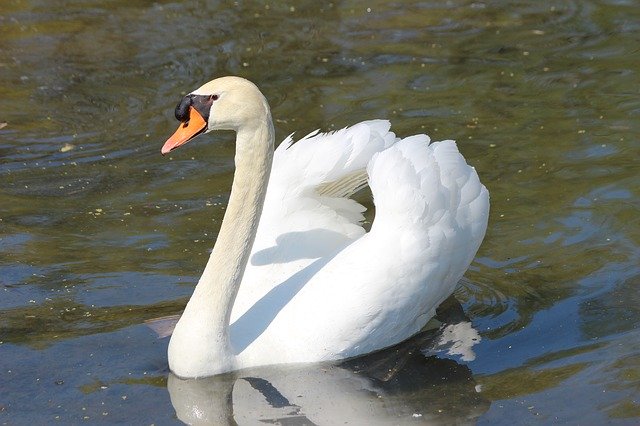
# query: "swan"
(293, 277)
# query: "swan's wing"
(433, 189)
(312, 179)
(307, 214)
(431, 216)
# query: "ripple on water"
(540, 97)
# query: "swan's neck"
(200, 344)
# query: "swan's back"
(319, 288)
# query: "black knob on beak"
(182, 109)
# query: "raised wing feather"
(312, 178)
(307, 214)
(431, 215)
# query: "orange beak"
(186, 131)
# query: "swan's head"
(226, 103)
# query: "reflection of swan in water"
(396, 386)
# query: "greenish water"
(98, 232)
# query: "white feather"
(340, 292)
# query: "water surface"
(98, 232)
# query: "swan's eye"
(213, 97)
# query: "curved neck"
(202, 334)
(221, 278)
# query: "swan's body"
(299, 280)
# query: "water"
(98, 232)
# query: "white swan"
(293, 277)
